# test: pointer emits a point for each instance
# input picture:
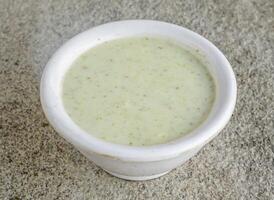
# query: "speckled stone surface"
(35, 163)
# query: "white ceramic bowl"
(129, 162)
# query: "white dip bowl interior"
(130, 162)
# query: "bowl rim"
(89, 143)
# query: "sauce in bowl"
(138, 91)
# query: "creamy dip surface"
(138, 91)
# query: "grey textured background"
(35, 163)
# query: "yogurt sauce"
(138, 91)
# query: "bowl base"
(136, 178)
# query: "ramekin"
(130, 162)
